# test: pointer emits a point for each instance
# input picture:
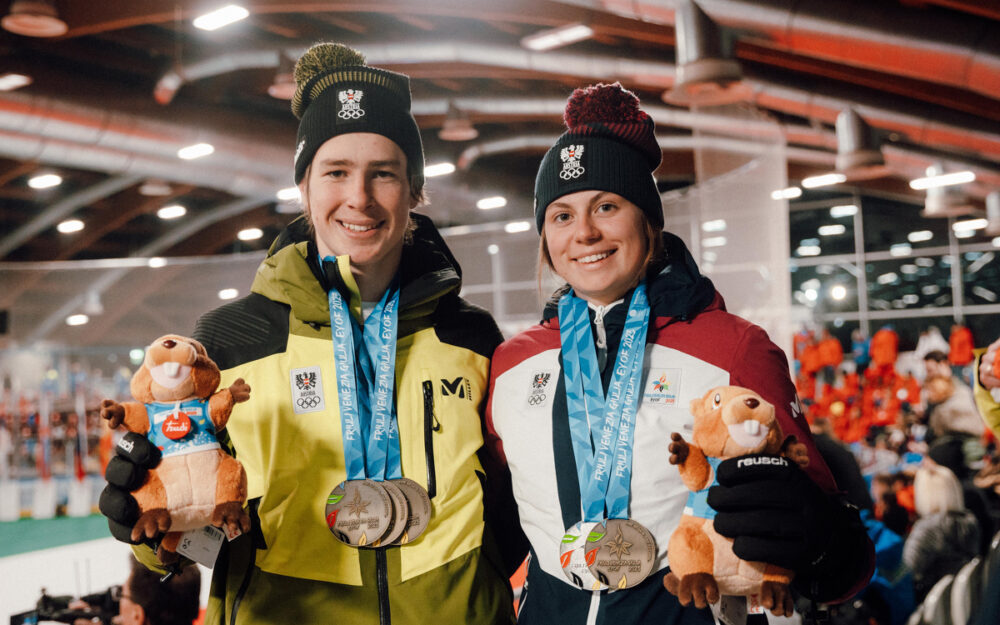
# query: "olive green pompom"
(324, 57)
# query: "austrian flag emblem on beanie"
(350, 104)
(571, 155)
(609, 145)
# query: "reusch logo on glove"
(771, 460)
(126, 445)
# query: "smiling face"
(357, 195)
(597, 242)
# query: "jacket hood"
(675, 286)
(292, 274)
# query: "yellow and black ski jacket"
(290, 568)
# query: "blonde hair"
(936, 489)
(654, 253)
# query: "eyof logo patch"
(663, 387)
(350, 104)
(572, 167)
(307, 390)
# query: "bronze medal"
(575, 555)
(420, 509)
(358, 512)
(626, 553)
(401, 513)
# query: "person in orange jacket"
(831, 354)
(884, 349)
(960, 346)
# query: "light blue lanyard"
(602, 428)
(367, 406)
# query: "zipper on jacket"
(382, 585)
(245, 584)
(602, 336)
(431, 425)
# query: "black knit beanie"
(336, 94)
(609, 145)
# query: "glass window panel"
(981, 277)
(909, 283)
(888, 223)
(826, 288)
(818, 228)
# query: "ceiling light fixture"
(900, 249)
(289, 194)
(943, 198)
(517, 226)
(935, 179)
(197, 150)
(77, 320)
(228, 294)
(156, 262)
(249, 234)
(438, 169)
(11, 81)
(714, 225)
(965, 234)
(832, 230)
(788, 193)
(34, 18)
(552, 38)
(492, 249)
(707, 74)
(496, 201)
(155, 188)
(843, 210)
(838, 292)
(457, 126)
(713, 242)
(824, 180)
(223, 16)
(969, 224)
(918, 236)
(70, 225)
(45, 181)
(171, 212)
(808, 250)
(887, 278)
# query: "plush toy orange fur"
(194, 489)
(729, 421)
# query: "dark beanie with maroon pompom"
(609, 145)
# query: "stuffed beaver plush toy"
(178, 409)
(729, 421)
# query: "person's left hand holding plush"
(775, 513)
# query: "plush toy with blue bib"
(196, 483)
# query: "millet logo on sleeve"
(459, 386)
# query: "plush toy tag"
(177, 425)
(730, 610)
(201, 545)
(753, 605)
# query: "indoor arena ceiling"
(130, 82)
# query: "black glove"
(776, 514)
(134, 456)
(772, 510)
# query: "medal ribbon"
(367, 406)
(602, 428)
